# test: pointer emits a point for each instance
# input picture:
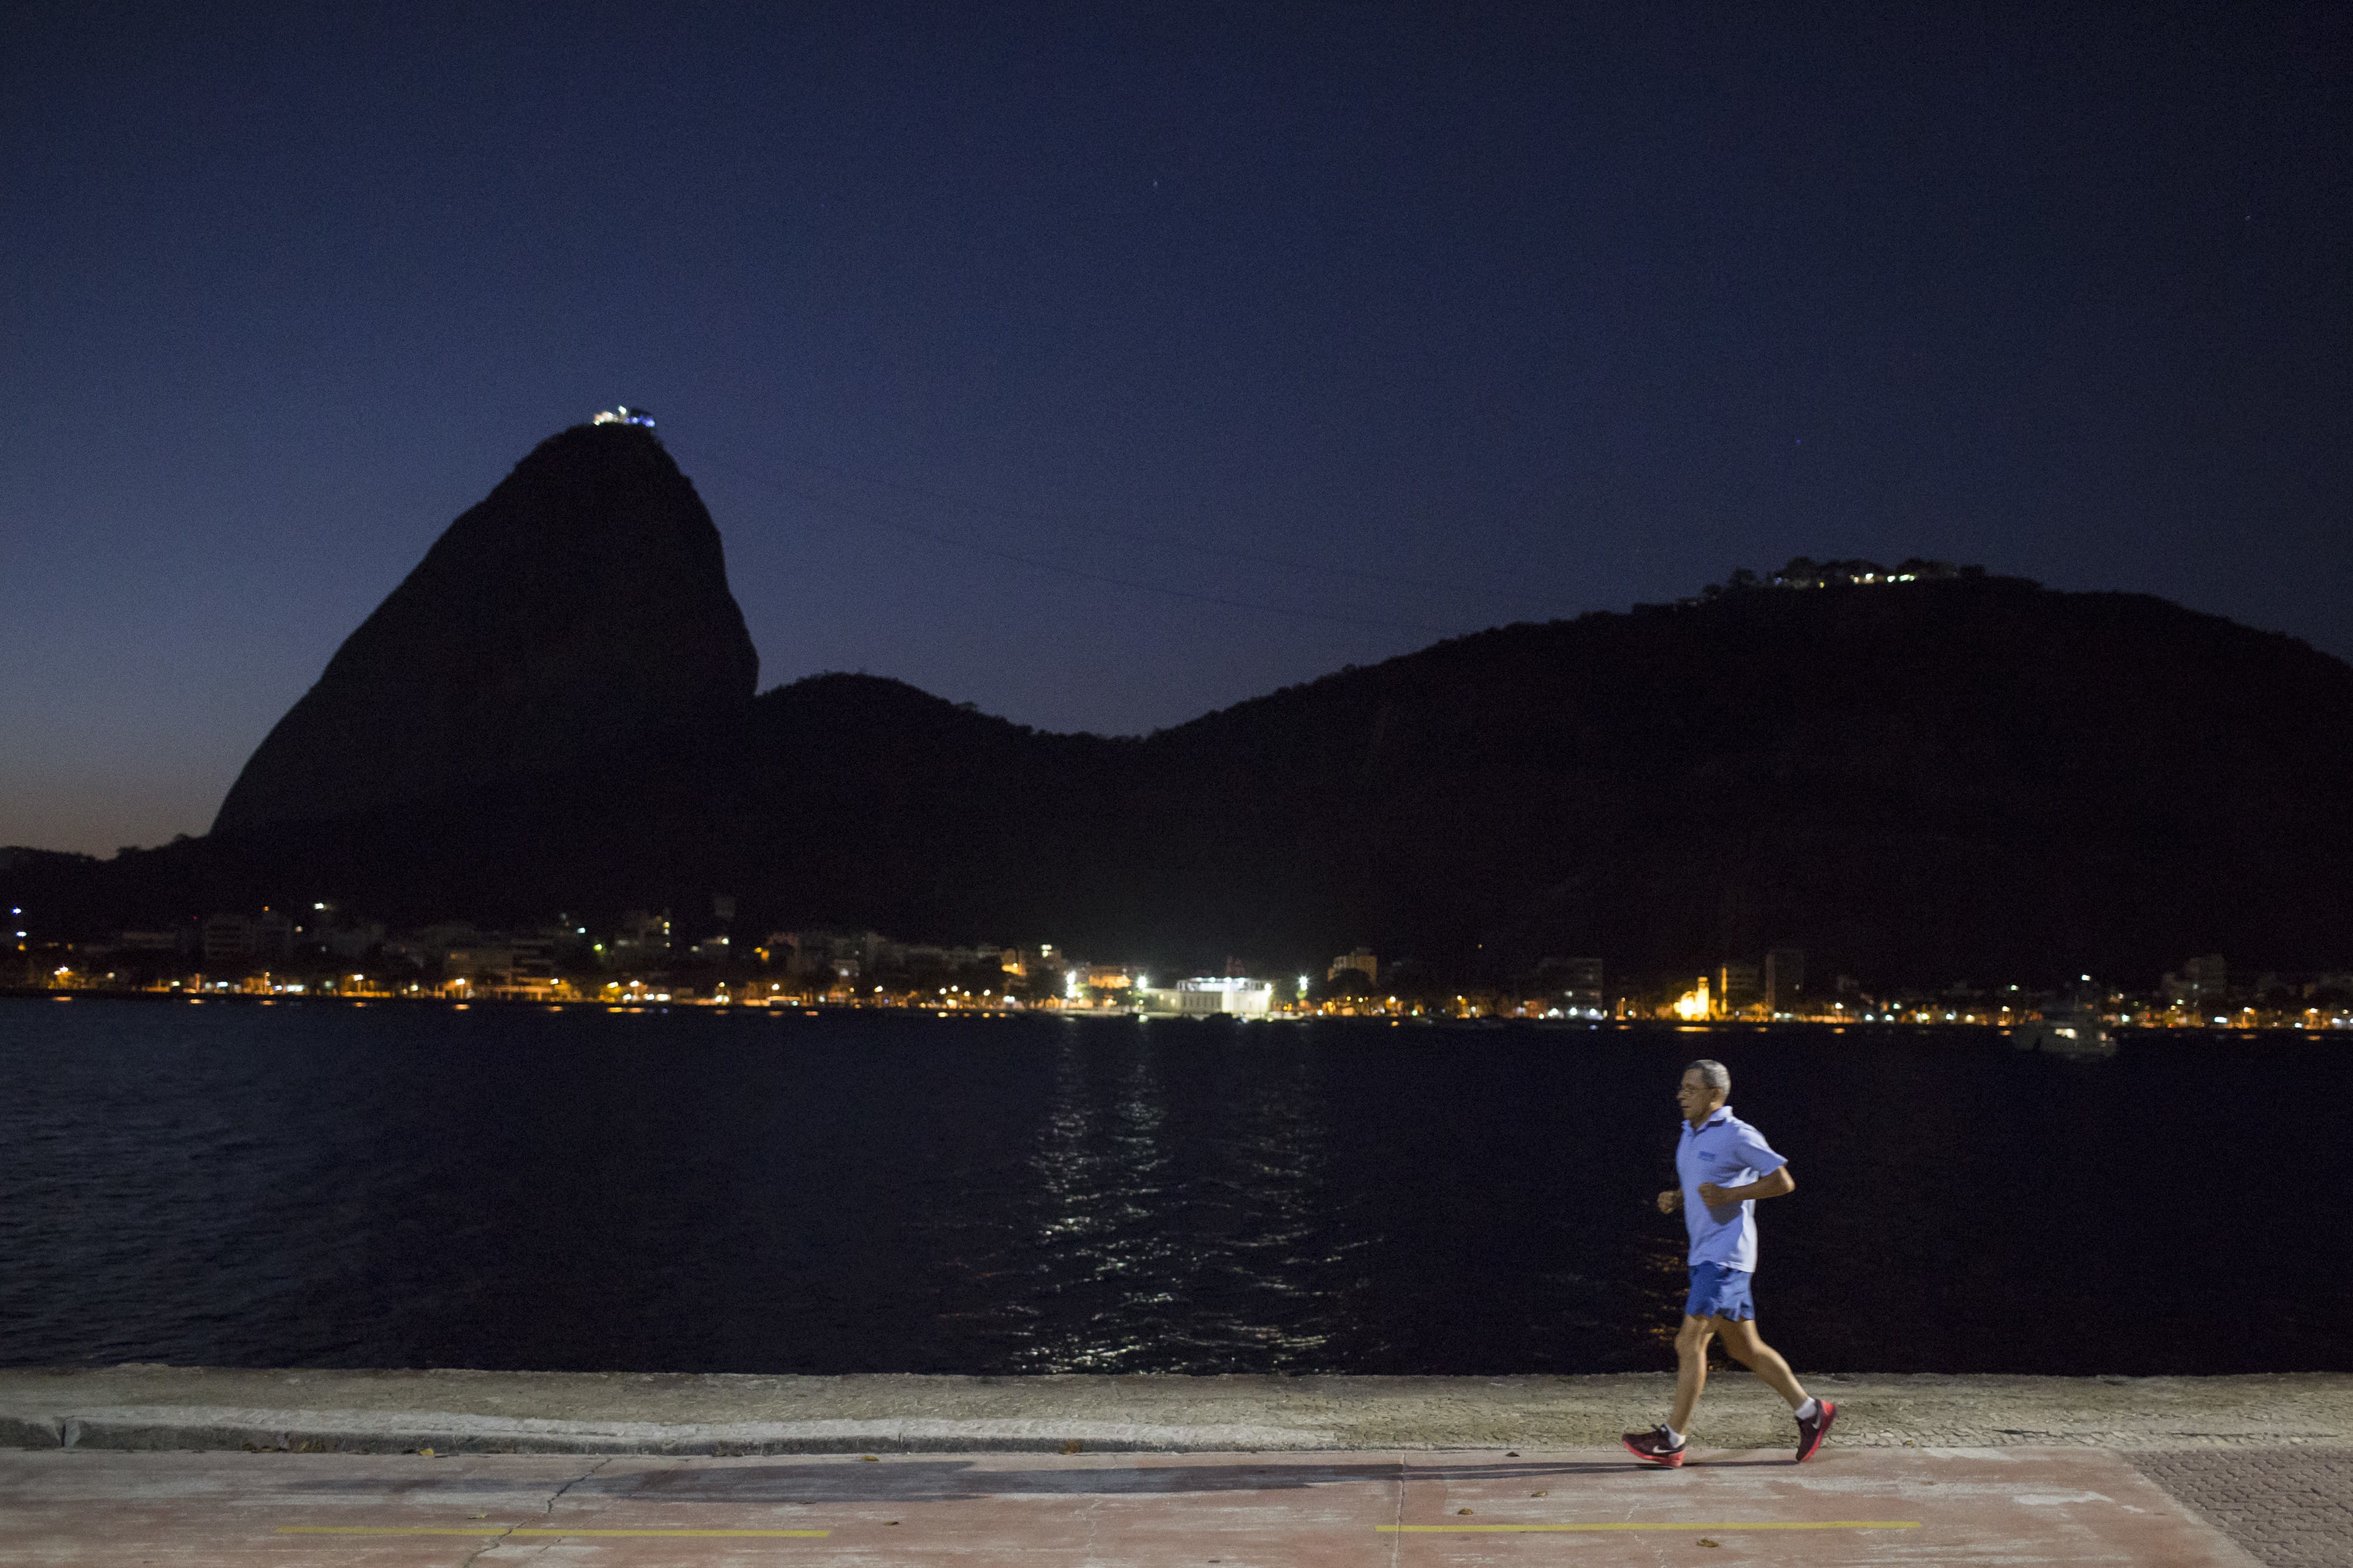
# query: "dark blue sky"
(976, 325)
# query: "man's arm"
(1772, 1185)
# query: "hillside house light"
(622, 414)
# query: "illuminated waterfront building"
(1694, 1006)
(1210, 995)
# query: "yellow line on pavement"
(500, 1529)
(1721, 1525)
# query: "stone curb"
(201, 1428)
(456, 1411)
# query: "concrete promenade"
(448, 1467)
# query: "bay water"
(313, 1184)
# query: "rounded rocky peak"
(584, 602)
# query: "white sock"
(1810, 1409)
(1674, 1439)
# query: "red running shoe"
(1652, 1447)
(1812, 1433)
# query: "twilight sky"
(1102, 364)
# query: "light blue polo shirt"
(1731, 1154)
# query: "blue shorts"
(1719, 1292)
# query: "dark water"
(318, 1185)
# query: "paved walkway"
(2289, 1507)
(180, 1465)
(1592, 1507)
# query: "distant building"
(2209, 977)
(524, 965)
(1737, 985)
(1807, 572)
(488, 966)
(1785, 978)
(226, 940)
(1362, 961)
(1208, 995)
(231, 941)
(808, 953)
(1584, 987)
(643, 938)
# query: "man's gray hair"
(1713, 1073)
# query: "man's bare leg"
(1740, 1339)
(1691, 1368)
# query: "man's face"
(1696, 1098)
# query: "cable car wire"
(878, 519)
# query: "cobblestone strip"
(2287, 1507)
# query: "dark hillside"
(866, 802)
(1917, 783)
(1974, 775)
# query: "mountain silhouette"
(584, 601)
(1919, 782)
(1925, 781)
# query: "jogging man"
(1724, 1166)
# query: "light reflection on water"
(1134, 1260)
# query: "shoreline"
(1107, 1014)
(154, 1407)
